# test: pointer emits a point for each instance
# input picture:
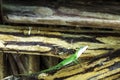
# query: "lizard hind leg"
(78, 62)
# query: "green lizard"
(65, 62)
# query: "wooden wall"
(60, 42)
(30, 37)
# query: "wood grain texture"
(104, 67)
(101, 57)
(79, 23)
(2, 67)
(15, 39)
(33, 64)
(63, 12)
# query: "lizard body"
(65, 62)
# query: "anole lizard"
(65, 62)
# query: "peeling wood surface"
(102, 35)
(101, 60)
(63, 12)
(51, 43)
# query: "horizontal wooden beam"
(51, 43)
(68, 21)
(69, 13)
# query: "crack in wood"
(52, 46)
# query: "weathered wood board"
(33, 64)
(45, 41)
(83, 22)
(61, 41)
(1, 66)
(63, 12)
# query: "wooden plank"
(13, 66)
(2, 69)
(19, 63)
(73, 13)
(33, 63)
(66, 20)
(52, 43)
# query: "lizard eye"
(76, 48)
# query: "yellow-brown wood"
(40, 42)
(2, 68)
(33, 63)
(62, 43)
(100, 67)
(92, 23)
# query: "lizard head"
(80, 51)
